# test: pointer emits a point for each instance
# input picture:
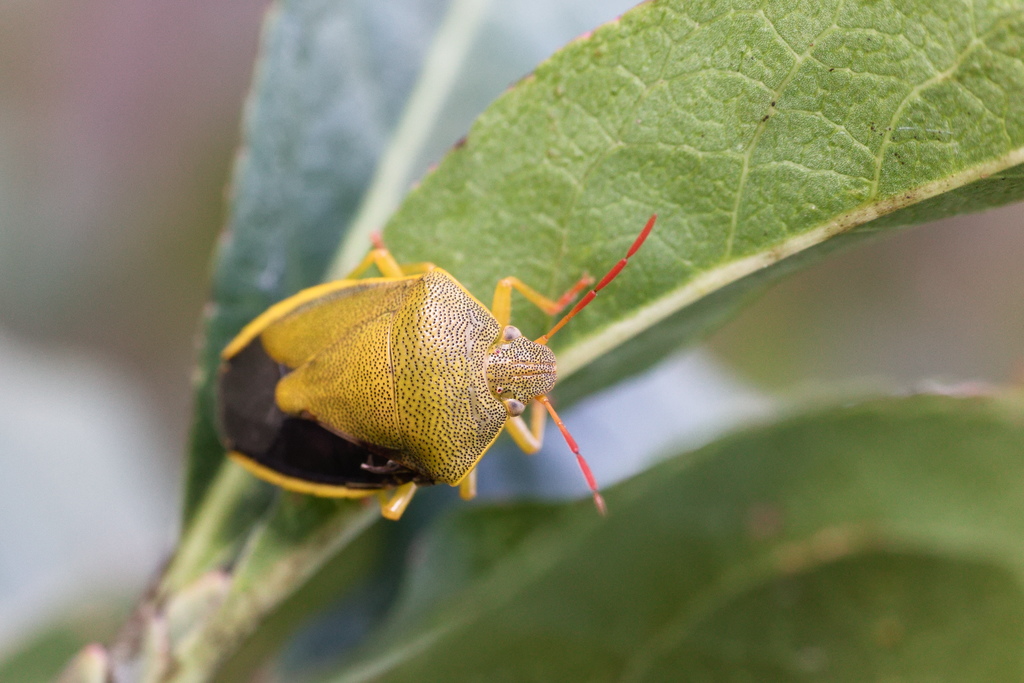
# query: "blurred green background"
(118, 126)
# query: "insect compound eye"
(511, 332)
(515, 408)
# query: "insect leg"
(467, 489)
(418, 267)
(385, 259)
(528, 438)
(381, 258)
(393, 507)
(502, 305)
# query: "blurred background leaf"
(40, 657)
(875, 541)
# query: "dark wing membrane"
(298, 449)
(306, 452)
(249, 419)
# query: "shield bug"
(379, 385)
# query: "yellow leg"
(418, 267)
(381, 258)
(502, 305)
(393, 507)
(528, 438)
(467, 489)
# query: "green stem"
(202, 544)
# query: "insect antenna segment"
(591, 482)
(609, 276)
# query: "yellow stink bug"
(359, 386)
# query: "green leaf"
(755, 130)
(880, 541)
(321, 108)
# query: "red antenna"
(591, 482)
(611, 274)
(616, 269)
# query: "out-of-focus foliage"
(757, 132)
(876, 541)
(40, 658)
